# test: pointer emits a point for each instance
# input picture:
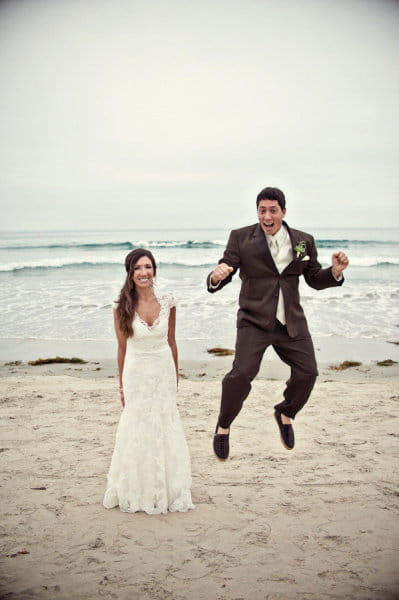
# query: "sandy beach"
(318, 522)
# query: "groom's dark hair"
(271, 193)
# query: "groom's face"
(270, 216)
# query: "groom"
(271, 257)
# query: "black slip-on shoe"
(221, 444)
(286, 432)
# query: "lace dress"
(150, 467)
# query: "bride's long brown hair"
(128, 298)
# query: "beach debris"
(16, 553)
(388, 362)
(39, 488)
(390, 342)
(13, 363)
(55, 588)
(97, 543)
(57, 359)
(345, 365)
(220, 351)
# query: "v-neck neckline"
(156, 320)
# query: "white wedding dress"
(150, 467)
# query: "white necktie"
(274, 250)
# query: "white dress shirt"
(281, 251)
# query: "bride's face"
(143, 273)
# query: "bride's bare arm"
(121, 353)
(172, 338)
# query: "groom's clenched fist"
(339, 262)
(220, 272)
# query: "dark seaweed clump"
(57, 359)
(220, 351)
(388, 362)
(346, 365)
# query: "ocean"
(58, 287)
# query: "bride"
(150, 467)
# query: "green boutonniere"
(300, 249)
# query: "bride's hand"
(122, 397)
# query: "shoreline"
(328, 350)
(210, 369)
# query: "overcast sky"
(155, 113)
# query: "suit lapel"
(295, 239)
(261, 243)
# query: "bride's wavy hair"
(128, 298)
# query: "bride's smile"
(143, 273)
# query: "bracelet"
(214, 287)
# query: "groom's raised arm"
(223, 273)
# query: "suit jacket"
(248, 251)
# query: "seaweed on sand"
(388, 362)
(220, 351)
(57, 359)
(345, 365)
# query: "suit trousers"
(251, 343)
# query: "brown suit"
(257, 328)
